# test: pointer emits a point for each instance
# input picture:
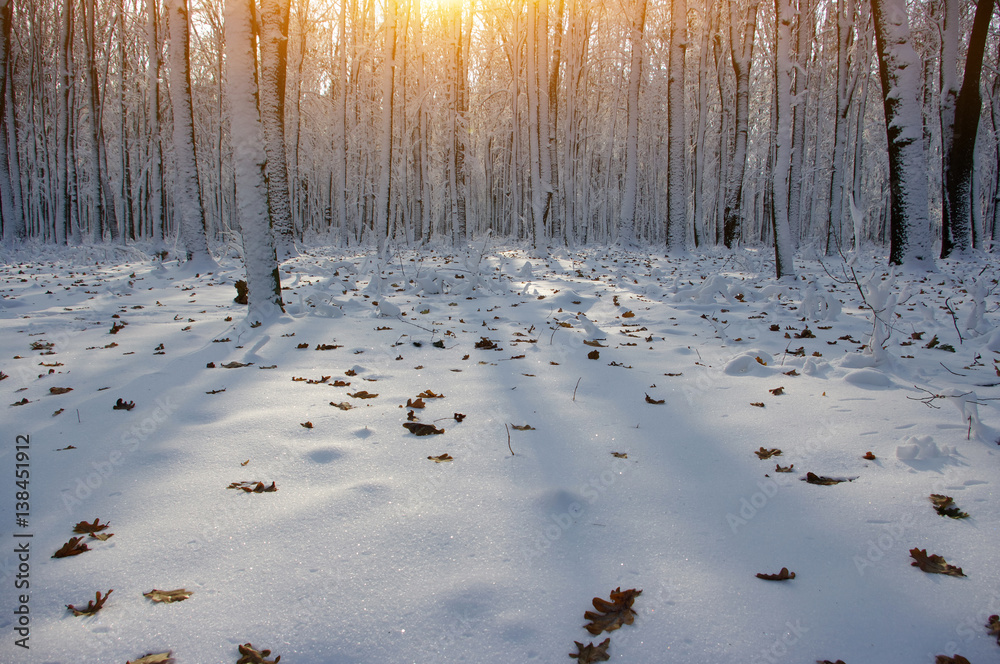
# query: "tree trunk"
(677, 131)
(899, 71)
(252, 208)
(383, 209)
(783, 247)
(742, 56)
(626, 219)
(14, 228)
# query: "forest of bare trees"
(679, 124)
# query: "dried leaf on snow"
(419, 403)
(594, 342)
(161, 658)
(957, 659)
(777, 391)
(657, 402)
(522, 427)
(594, 355)
(620, 455)
(60, 390)
(868, 456)
(485, 344)
(588, 654)
(104, 537)
(121, 404)
(235, 365)
(421, 429)
(993, 626)
(168, 596)
(783, 575)
(778, 468)
(343, 405)
(73, 547)
(441, 458)
(92, 606)
(327, 347)
(945, 506)
(933, 564)
(83, 527)
(252, 656)
(767, 454)
(427, 394)
(362, 394)
(612, 615)
(459, 417)
(759, 404)
(307, 425)
(253, 487)
(813, 478)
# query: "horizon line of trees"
(549, 121)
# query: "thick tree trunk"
(899, 71)
(626, 218)
(383, 209)
(252, 208)
(14, 228)
(741, 37)
(677, 185)
(783, 247)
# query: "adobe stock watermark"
(130, 440)
(779, 649)
(558, 523)
(881, 544)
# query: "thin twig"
(954, 319)
(950, 371)
(508, 439)
(577, 385)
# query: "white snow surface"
(371, 553)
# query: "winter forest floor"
(649, 387)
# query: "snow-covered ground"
(369, 552)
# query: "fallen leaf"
(341, 383)
(421, 429)
(68, 447)
(251, 656)
(522, 427)
(933, 564)
(427, 394)
(594, 342)
(71, 548)
(303, 346)
(620, 455)
(83, 527)
(307, 425)
(993, 626)
(439, 459)
(759, 404)
(612, 615)
(59, 412)
(419, 403)
(161, 658)
(957, 659)
(869, 456)
(350, 372)
(485, 344)
(812, 478)
(104, 537)
(343, 405)
(245, 462)
(168, 596)
(588, 654)
(945, 506)
(767, 454)
(362, 394)
(459, 417)
(628, 314)
(759, 360)
(60, 390)
(253, 487)
(121, 404)
(777, 391)
(778, 468)
(651, 400)
(92, 606)
(235, 365)
(593, 355)
(793, 373)
(216, 391)
(783, 575)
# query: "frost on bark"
(252, 210)
(959, 172)
(14, 228)
(383, 207)
(274, 19)
(539, 187)
(626, 227)
(783, 258)
(677, 131)
(845, 87)
(900, 74)
(187, 196)
(741, 50)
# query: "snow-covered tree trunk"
(252, 207)
(834, 227)
(383, 210)
(155, 176)
(14, 228)
(65, 229)
(949, 29)
(741, 41)
(626, 218)
(187, 196)
(805, 32)
(900, 74)
(459, 128)
(101, 192)
(957, 235)
(783, 247)
(677, 185)
(338, 189)
(274, 20)
(538, 188)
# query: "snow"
(371, 553)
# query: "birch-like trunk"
(187, 195)
(900, 74)
(246, 136)
(783, 247)
(537, 186)
(626, 218)
(155, 177)
(677, 185)
(845, 33)
(741, 41)
(383, 211)
(274, 20)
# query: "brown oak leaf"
(307, 425)
(73, 547)
(459, 417)
(235, 365)
(869, 456)
(783, 575)
(419, 403)
(778, 468)
(993, 625)
(253, 487)
(421, 429)
(427, 394)
(252, 656)
(522, 427)
(933, 564)
(945, 506)
(758, 404)
(485, 344)
(60, 390)
(83, 527)
(168, 596)
(813, 478)
(362, 394)
(92, 606)
(594, 355)
(121, 404)
(160, 658)
(612, 615)
(957, 659)
(620, 455)
(588, 654)
(777, 391)
(343, 405)
(767, 454)
(104, 537)
(651, 400)
(441, 458)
